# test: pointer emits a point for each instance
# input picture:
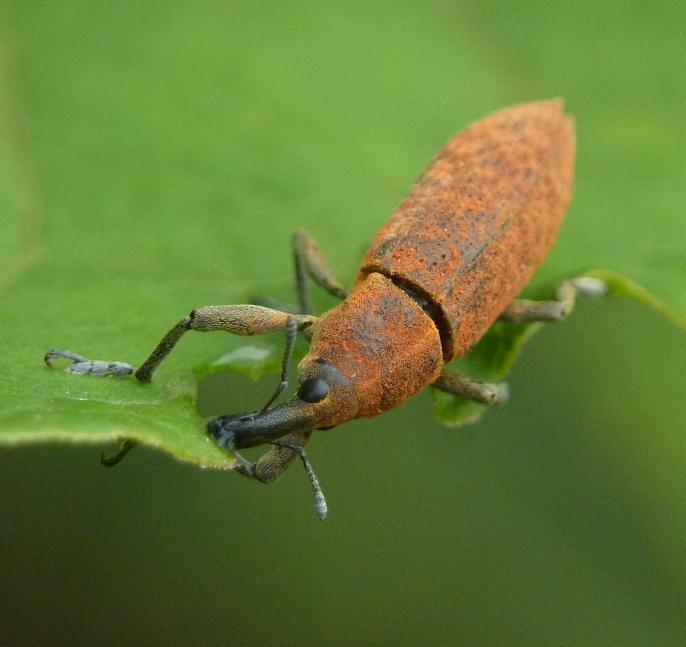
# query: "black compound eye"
(313, 389)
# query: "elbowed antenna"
(320, 507)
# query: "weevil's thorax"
(384, 345)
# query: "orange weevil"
(448, 263)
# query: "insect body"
(447, 264)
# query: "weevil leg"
(110, 460)
(483, 392)
(236, 319)
(163, 348)
(274, 462)
(244, 320)
(309, 260)
(525, 310)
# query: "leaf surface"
(159, 161)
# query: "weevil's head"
(368, 355)
(325, 398)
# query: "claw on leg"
(82, 366)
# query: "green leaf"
(154, 158)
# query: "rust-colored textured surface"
(482, 217)
(382, 341)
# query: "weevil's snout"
(222, 429)
(249, 430)
(325, 398)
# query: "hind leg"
(525, 310)
(483, 392)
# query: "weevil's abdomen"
(481, 219)
(384, 344)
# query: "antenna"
(320, 507)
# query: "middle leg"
(483, 392)
(309, 260)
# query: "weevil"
(446, 266)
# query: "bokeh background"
(213, 129)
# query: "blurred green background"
(160, 156)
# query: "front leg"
(274, 462)
(244, 320)
(236, 319)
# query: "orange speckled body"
(482, 218)
(454, 255)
